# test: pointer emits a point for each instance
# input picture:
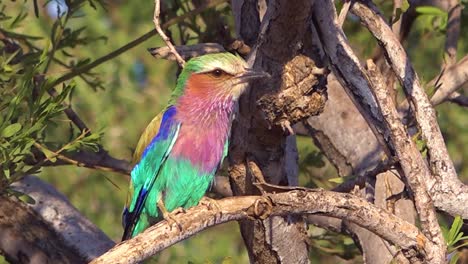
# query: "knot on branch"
(302, 93)
(260, 209)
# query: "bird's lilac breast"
(203, 147)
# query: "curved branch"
(302, 201)
(447, 191)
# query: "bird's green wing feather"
(144, 174)
(148, 134)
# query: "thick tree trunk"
(259, 145)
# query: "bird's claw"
(169, 216)
(210, 203)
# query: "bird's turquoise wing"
(136, 214)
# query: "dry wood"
(345, 206)
(446, 190)
(413, 166)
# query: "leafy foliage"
(30, 100)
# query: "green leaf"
(430, 10)
(405, 5)
(455, 230)
(49, 154)
(11, 130)
(22, 196)
(337, 180)
(454, 258)
(27, 199)
(6, 172)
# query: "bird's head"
(216, 74)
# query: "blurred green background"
(135, 87)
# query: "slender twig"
(80, 161)
(157, 25)
(344, 12)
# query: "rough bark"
(345, 135)
(413, 166)
(25, 238)
(258, 136)
(347, 141)
(55, 211)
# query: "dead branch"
(347, 68)
(345, 206)
(413, 166)
(445, 188)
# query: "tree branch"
(445, 188)
(186, 52)
(345, 206)
(413, 166)
(347, 68)
(459, 99)
(451, 79)
(453, 32)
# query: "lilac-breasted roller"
(185, 145)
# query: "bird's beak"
(250, 74)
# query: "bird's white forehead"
(228, 63)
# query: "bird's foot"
(169, 216)
(210, 203)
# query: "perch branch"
(345, 206)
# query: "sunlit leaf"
(11, 130)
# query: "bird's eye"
(217, 73)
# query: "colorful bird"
(189, 140)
